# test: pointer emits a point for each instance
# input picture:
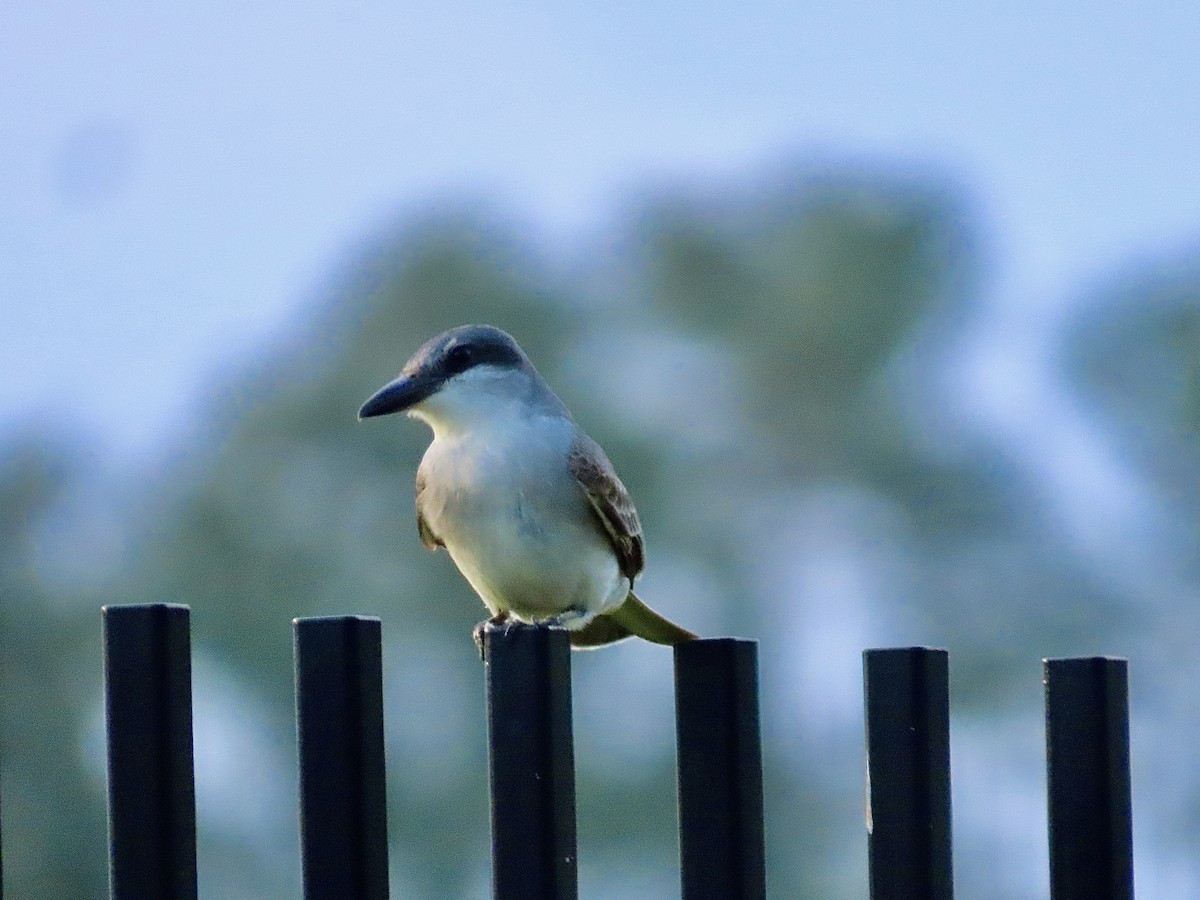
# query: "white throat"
(481, 398)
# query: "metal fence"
(339, 711)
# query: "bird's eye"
(459, 357)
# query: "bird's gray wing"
(610, 502)
(428, 538)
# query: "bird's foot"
(499, 619)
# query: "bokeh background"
(889, 316)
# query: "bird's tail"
(633, 618)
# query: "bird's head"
(462, 377)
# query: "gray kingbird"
(527, 505)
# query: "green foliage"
(54, 826)
(1136, 356)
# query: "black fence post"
(1087, 779)
(151, 790)
(339, 730)
(907, 700)
(720, 770)
(531, 761)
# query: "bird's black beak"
(397, 396)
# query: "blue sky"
(176, 180)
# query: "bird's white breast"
(501, 497)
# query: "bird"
(527, 505)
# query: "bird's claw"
(496, 621)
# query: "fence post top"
(1084, 660)
(303, 620)
(141, 608)
(916, 648)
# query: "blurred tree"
(54, 820)
(752, 365)
(1136, 356)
